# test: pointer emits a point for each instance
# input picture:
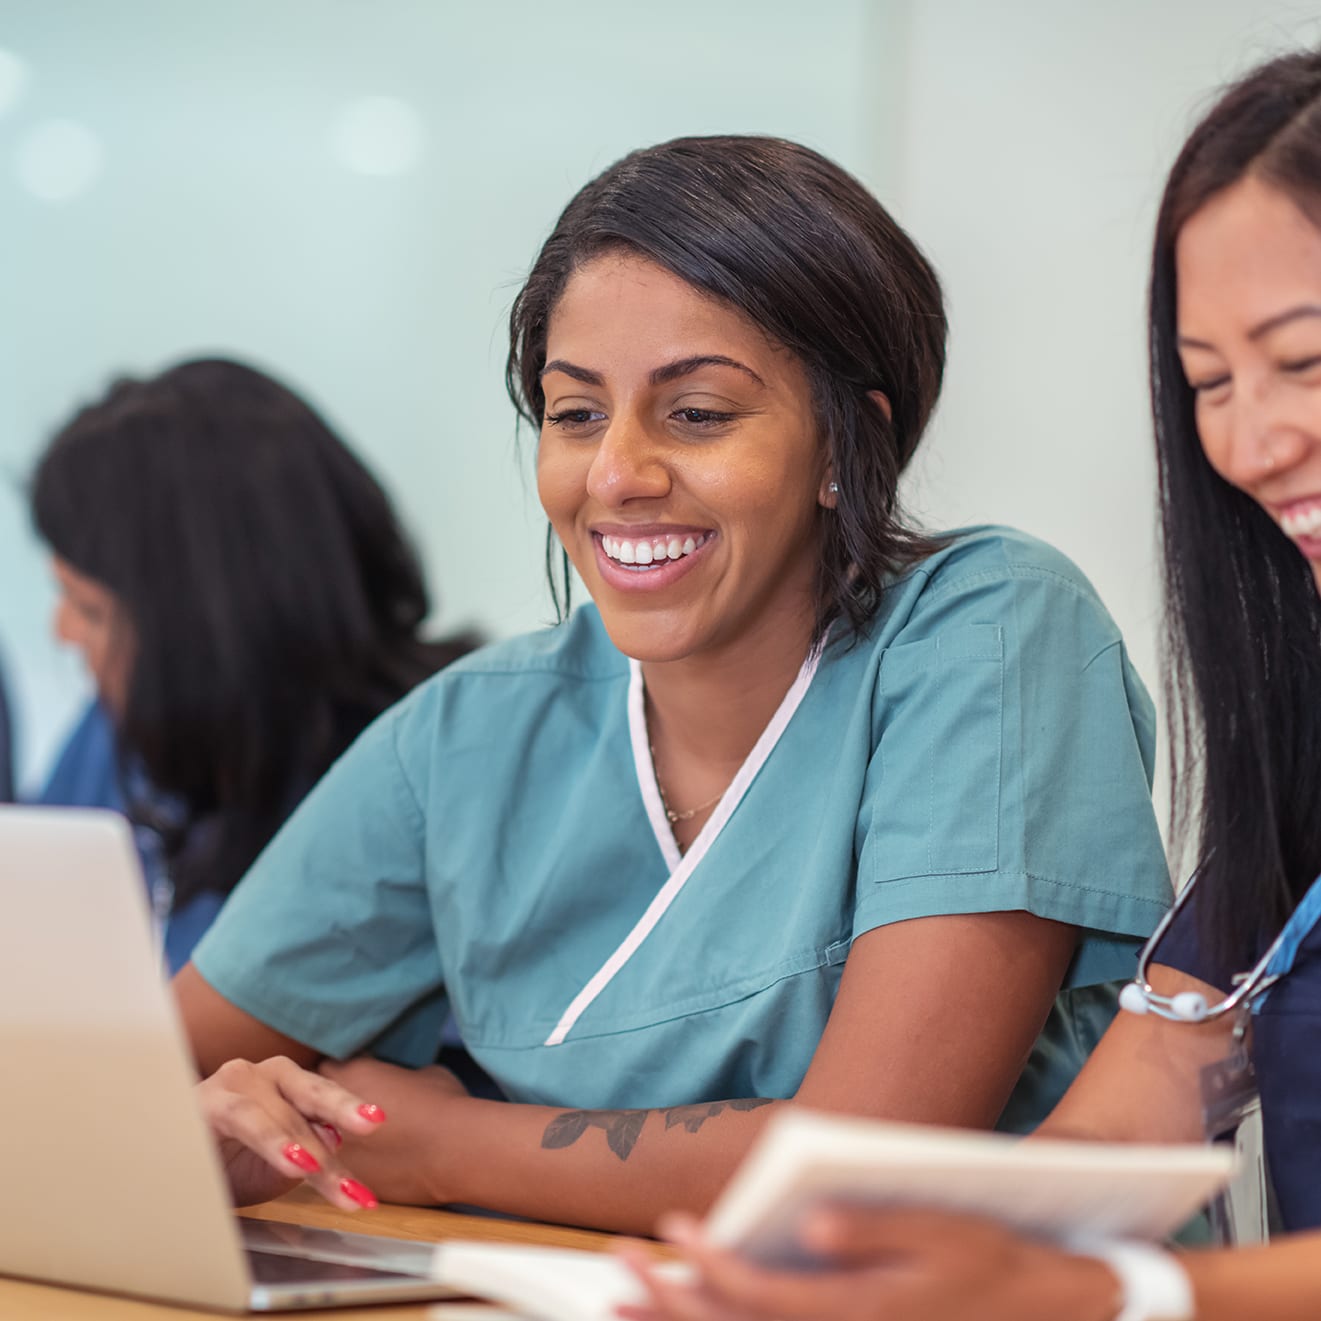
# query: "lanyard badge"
(1231, 1112)
(1229, 1086)
(1231, 1108)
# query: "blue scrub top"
(87, 774)
(1286, 1058)
(985, 746)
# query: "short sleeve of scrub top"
(1181, 948)
(496, 841)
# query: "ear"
(882, 401)
(827, 495)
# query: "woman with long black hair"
(246, 602)
(1235, 337)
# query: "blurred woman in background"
(245, 600)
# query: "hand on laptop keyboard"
(276, 1123)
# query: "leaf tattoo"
(692, 1117)
(622, 1128)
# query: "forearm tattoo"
(623, 1127)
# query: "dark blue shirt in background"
(1286, 1054)
(88, 774)
(6, 747)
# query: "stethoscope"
(1250, 988)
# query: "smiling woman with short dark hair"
(805, 804)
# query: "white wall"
(1037, 135)
(221, 221)
(1023, 142)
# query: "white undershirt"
(680, 866)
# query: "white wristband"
(1153, 1285)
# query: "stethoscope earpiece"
(1250, 988)
(1187, 1006)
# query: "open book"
(1070, 1191)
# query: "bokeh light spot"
(58, 160)
(378, 135)
(13, 80)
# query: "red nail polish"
(359, 1192)
(301, 1157)
(373, 1112)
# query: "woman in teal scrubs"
(805, 804)
(1236, 348)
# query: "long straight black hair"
(804, 251)
(273, 599)
(1243, 637)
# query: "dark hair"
(804, 251)
(1243, 633)
(273, 598)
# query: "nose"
(629, 464)
(65, 625)
(1264, 440)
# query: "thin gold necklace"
(673, 817)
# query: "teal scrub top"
(488, 845)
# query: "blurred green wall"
(220, 219)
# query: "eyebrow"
(571, 369)
(671, 371)
(1262, 328)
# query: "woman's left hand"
(275, 1123)
(406, 1161)
(883, 1266)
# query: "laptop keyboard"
(277, 1270)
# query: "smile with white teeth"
(1302, 523)
(645, 551)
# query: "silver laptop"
(110, 1176)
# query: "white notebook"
(547, 1284)
(1061, 1190)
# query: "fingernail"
(301, 1157)
(359, 1192)
(331, 1134)
(373, 1112)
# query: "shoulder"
(94, 733)
(519, 681)
(86, 773)
(998, 576)
(578, 650)
(975, 555)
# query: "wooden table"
(21, 1300)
